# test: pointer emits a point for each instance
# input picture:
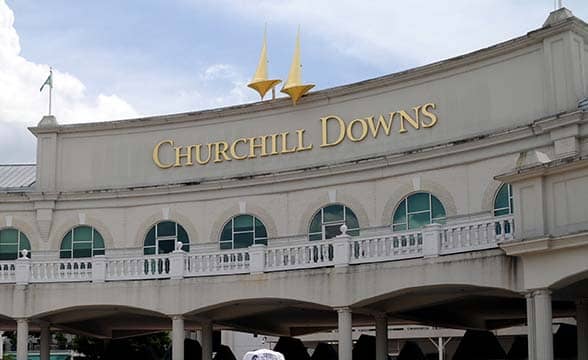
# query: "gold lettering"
(325, 128)
(429, 114)
(387, 126)
(221, 148)
(285, 149)
(364, 130)
(301, 146)
(199, 152)
(156, 159)
(262, 146)
(274, 144)
(404, 116)
(187, 155)
(234, 153)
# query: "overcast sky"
(118, 59)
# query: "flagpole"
(50, 88)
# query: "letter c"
(156, 154)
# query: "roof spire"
(293, 86)
(260, 81)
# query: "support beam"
(45, 337)
(531, 328)
(207, 340)
(22, 339)
(177, 337)
(543, 323)
(381, 337)
(345, 333)
(582, 328)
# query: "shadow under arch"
(105, 321)
(462, 306)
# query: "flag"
(48, 82)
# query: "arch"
(503, 203)
(242, 231)
(407, 188)
(322, 201)
(252, 209)
(82, 241)
(144, 227)
(12, 242)
(163, 237)
(326, 222)
(70, 222)
(416, 210)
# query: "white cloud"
(388, 32)
(20, 80)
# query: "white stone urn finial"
(343, 229)
(179, 245)
(24, 253)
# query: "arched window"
(81, 241)
(416, 211)
(12, 241)
(503, 201)
(162, 238)
(326, 223)
(243, 231)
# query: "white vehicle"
(263, 354)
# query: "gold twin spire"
(293, 86)
(260, 82)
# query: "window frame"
(510, 206)
(157, 238)
(324, 224)
(19, 240)
(261, 240)
(407, 213)
(94, 250)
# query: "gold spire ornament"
(293, 86)
(260, 82)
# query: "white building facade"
(451, 195)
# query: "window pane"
(399, 227)
(82, 233)
(332, 230)
(24, 242)
(502, 200)
(166, 246)
(66, 242)
(150, 238)
(351, 221)
(9, 236)
(149, 250)
(98, 240)
(261, 241)
(418, 202)
(227, 234)
(82, 252)
(438, 211)
(260, 231)
(99, 252)
(8, 251)
(314, 237)
(353, 232)
(416, 221)
(333, 213)
(243, 223)
(243, 240)
(501, 212)
(400, 214)
(65, 254)
(315, 225)
(226, 245)
(166, 228)
(183, 235)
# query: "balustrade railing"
(344, 250)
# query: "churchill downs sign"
(334, 130)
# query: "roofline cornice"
(326, 95)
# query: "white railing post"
(432, 240)
(257, 258)
(177, 262)
(98, 269)
(23, 269)
(342, 248)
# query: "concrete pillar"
(582, 327)
(543, 325)
(381, 337)
(45, 337)
(531, 328)
(22, 339)
(207, 340)
(177, 337)
(345, 333)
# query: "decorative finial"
(343, 229)
(179, 245)
(293, 86)
(260, 82)
(24, 253)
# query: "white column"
(345, 333)
(177, 337)
(582, 328)
(45, 336)
(381, 337)
(543, 325)
(531, 328)
(22, 339)
(207, 340)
